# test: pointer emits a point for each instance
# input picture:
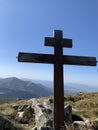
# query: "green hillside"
(17, 88)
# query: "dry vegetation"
(83, 104)
(7, 110)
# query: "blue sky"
(25, 23)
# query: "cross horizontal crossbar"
(49, 41)
(35, 58)
(50, 59)
(80, 60)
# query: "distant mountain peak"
(14, 87)
(13, 78)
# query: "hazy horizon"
(24, 25)
(51, 81)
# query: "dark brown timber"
(50, 59)
(58, 59)
(35, 58)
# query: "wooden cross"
(58, 59)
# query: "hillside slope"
(84, 105)
(17, 88)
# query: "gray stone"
(19, 118)
(15, 106)
(95, 124)
(22, 107)
(79, 125)
(45, 128)
(34, 128)
(76, 118)
(43, 117)
(50, 100)
(89, 124)
(68, 114)
(5, 124)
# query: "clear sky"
(25, 23)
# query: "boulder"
(42, 128)
(6, 124)
(68, 114)
(95, 124)
(50, 100)
(19, 117)
(89, 124)
(43, 117)
(22, 107)
(25, 116)
(15, 106)
(79, 125)
(45, 128)
(34, 101)
(76, 118)
(34, 128)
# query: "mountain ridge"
(69, 87)
(16, 88)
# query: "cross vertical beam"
(58, 83)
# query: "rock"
(34, 101)
(45, 128)
(79, 125)
(92, 124)
(22, 107)
(19, 117)
(95, 124)
(5, 124)
(20, 114)
(76, 118)
(15, 106)
(68, 114)
(34, 128)
(43, 117)
(42, 128)
(50, 100)
(89, 124)
(22, 120)
(47, 103)
(25, 116)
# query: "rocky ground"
(81, 113)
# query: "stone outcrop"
(76, 118)
(24, 114)
(68, 114)
(79, 125)
(23, 107)
(38, 114)
(86, 125)
(6, 124)
(94, 124)
(43, 117)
